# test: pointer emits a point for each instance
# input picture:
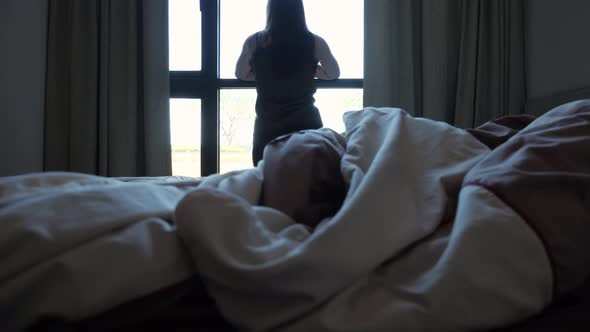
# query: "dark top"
(282, 98)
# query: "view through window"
(237, 120)
(185, 122)
(238, 19)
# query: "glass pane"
(185, 136)
(339, 22)
(333, 103)
(237, 112)
(235, 28)
(237, 107)
(184, 33)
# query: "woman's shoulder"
(261, 37)
(319, 42)
(251, 38)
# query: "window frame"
(206, 85)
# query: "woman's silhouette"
(283, 59)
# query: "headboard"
(538, 106)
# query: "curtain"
(459, 61)
(107, 89)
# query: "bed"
(402, 223)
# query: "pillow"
(301, 175)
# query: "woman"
(283, 59)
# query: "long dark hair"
(291, 41)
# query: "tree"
(229, 123)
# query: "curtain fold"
(107, 100)
(459, 61)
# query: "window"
(212, 113)
(343, 29)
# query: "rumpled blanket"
(435, 232)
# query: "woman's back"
(284, 77)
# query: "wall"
(23, 29)
(558, 46)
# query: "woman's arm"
(328, 66)
(244, 70)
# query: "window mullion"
(210, 113)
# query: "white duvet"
(409, 250)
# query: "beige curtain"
(459, 61)
(107, 99)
